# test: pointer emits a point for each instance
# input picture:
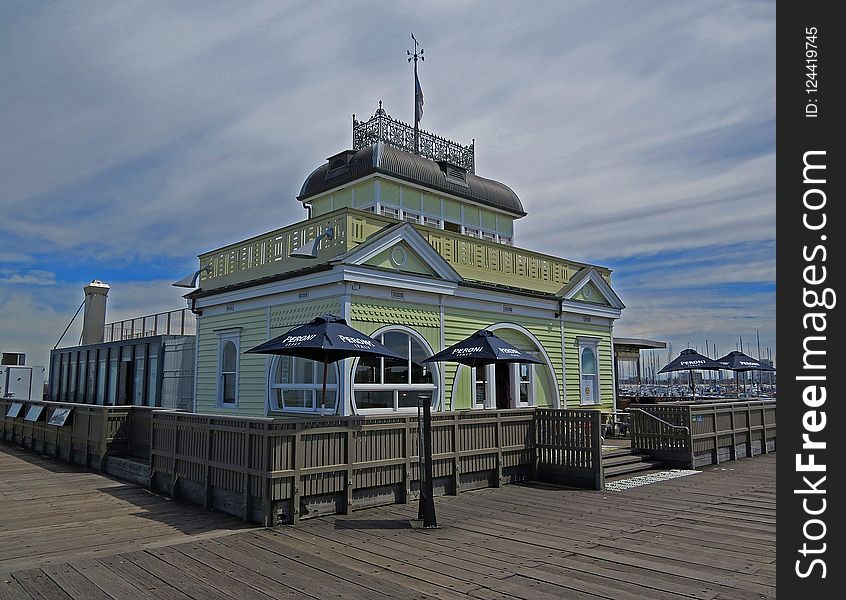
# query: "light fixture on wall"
(309, 249)
(190, 281)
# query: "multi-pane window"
(480, 386)
(524, 382)
(432, 222)
(396, 384)
(297, 385)
(487, 235)
(471, 231)
(411, 217)
(390, 211)
(227, 384)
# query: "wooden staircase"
(625, 461)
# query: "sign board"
(34, 412)
(59, 416)
(14, 410)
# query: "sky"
(639, 135)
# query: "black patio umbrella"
(691, 360)
(483, 348)
(480, 349)
(739, 362)
(326, 339)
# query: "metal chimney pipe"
(94, 318)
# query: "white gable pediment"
(401, 247)
(589, 287)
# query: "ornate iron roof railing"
(381, 127)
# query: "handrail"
(684, 428)
(173, 322)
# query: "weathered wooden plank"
(242, 577)
(10, 589)
(38, 585)
(702, 537)
(195, 569)
(108, 581)
(371, 582)
(73, 584)
(141, 578)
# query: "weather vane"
(418, 93)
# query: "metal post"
(427, 500)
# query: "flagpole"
(416, 116)
(417, 92)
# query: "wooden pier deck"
(65, 533)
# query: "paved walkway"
(65, 533)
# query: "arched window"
(227, 361)
(296, 385)
(396, 384)
(588, 372)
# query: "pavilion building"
(416, 250)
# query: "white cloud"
(33, 277)
(153, 132)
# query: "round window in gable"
(398, 257)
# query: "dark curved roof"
(383, 158)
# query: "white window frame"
(488, 236)
(489, 401)
(410, 217)
(435, 222)
(471, 231)
(593, 345)
(397, 387)
(316, 388)
(390, 211)
(516, 383)
(224, 337)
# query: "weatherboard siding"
(251, 367)
(572, 331)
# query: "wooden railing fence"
(569, 447)
(281, 470)
(87, 436)
(715, 432)
(273, 470)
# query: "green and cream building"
(422, 254)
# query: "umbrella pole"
(420, 456)
(427, 500)
(692, 385)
